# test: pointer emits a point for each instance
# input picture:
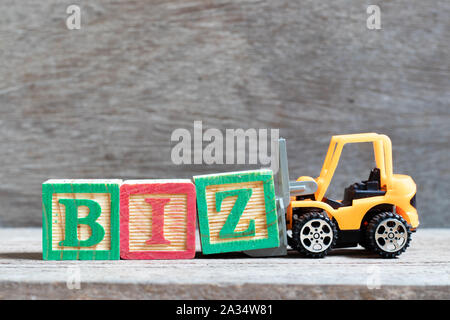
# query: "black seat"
(364, 189)
(374, 181)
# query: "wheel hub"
(316, 235)
(391, 235)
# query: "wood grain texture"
(420, 273)
(237, 211)
(149, 233)
(103, 101)
(80, 219)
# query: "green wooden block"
(237, 211)
(80, 219)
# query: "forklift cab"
(379, 177)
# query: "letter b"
(72, 222)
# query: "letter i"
(157, 221)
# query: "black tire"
(388, 229)
(363, 241)
(324, 237)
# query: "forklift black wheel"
(314, 234)
(388, 235)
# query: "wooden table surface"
(422, 272)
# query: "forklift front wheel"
(314, 234)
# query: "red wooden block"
(157, 219)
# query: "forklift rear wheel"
(314, 234)
(388, 235)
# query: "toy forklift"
(378, 213)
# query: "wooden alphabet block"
(80, 219)
(157, 219)
(237, 211)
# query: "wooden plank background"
(102, 102)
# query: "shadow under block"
(157, 219)
(237, 211)
(80, 219)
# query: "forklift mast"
(285, 189)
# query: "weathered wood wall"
(103, 101)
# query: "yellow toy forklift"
(378, 213)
